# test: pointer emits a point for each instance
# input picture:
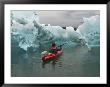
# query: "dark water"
(75, 62)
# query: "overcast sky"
(66, 18)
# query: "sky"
(65, 18)
(61, 18)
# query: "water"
(75, 62)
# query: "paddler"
(54, 48)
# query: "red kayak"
(52, 56)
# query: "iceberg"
(24, 34)
(90, 30)
(27, 33)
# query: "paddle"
(62, 45)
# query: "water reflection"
(73, 62)
(53, 63)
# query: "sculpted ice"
(27, 32)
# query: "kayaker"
(54, 48)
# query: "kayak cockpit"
(51, 56)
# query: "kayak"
(52, 56)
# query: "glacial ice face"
(23, 31)
(61, 34)
(49, 34)
(27, 32)
(26, 35)
(90, 30)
